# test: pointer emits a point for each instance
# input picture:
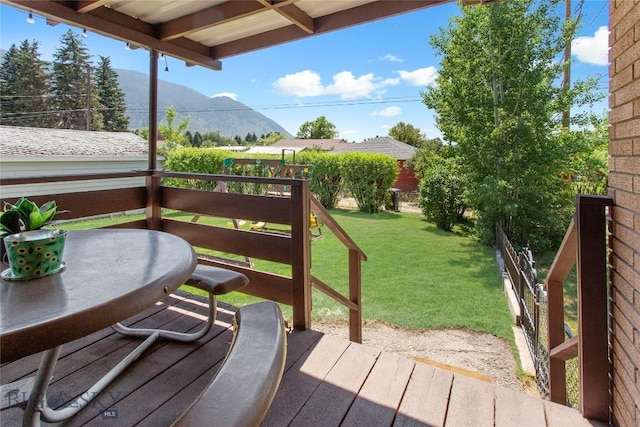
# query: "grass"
(416, 276)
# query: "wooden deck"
(328, 381)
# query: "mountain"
(220, 114)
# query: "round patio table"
(109, 275)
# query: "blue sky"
(364, 79)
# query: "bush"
(194, 160)
(325, 178)
(441, 193)
(368, 176)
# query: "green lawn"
(416, 275)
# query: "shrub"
(194, 160)
(368, 176)
(441, 193)
(325, 178)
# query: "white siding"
(28, 166)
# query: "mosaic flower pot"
(33, 254)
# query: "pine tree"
(73, 87)
(197, 140)
(111, 97)
(24, 87)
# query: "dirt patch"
(475, 354)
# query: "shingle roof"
(323, 144)
(28, 141)
(381, 145)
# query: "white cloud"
(592, 50)
(231, 95)
(419, 77)
(348, 133)
(391, 58)
(345, 84)
(302, 84)
(388, 112)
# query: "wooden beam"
(565, 259)
(567, 350)
(297, 17)
(592, 306)
(207, 18)
(336, 21)
(85, 6)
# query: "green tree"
(590, 172)
(442, 192)
(499, 99)
(24, 87)
(408, 134)
(427, 153)
(74, 91)
(197, 140)
(173, 135)
(111, 97)
(320, 128)
(271, 138)
(368, 177)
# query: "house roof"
(202, 32)
(323, 144)
(270, 149)
(29, 141)
(381, 145)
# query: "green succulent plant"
(25, 215)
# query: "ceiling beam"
(86, 6)
(298, 17)
(110, 23)
(325, 24)
(207, 18)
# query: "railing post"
(565, 259)
(301, 255)
(555, 331)
(355, 295)
(154, 210)
(592, 306)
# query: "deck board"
(381, 393)
(338, 389)
(426, 399)
(328, 381)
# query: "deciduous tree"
(499, 99)
(320, 128)
(407, 133)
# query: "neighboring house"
(31, 152)
(290, 146)
(406, 181)
(311, 144)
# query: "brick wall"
(624, 181)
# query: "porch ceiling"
(202, 32)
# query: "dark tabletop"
(110, 275)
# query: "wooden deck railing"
(584, 245)
(293, 249)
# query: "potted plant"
(30, 251)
